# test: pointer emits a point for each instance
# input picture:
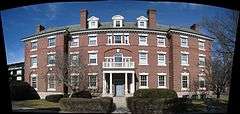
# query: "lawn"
(42, 103)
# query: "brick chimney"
(152, 23)
(194, 27)
(83, 18)
(40, 28)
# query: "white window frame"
(52, 37)
(146, 61)
(52, 54)
(140, 77)
(32, 76)
(140, 43)
(71, 59)
(182, 37)
(92, 52)
(54, 82)
(164, 55)
(165, 80)
(89, 80)
(201, 44)
(71, 79)
(203, 58)
(32, 65)
(34, 49)
(95, 39)
(159, 38)
(187, 62)
(184, 88)
(202, 79)
(19, 72)
(73, 41)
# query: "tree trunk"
(218, 95)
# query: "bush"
(83, 105)
(54, 98)
(178, 104)
(155, 93)
(82, 94)
(22, 91)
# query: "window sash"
(117, 39)
(184, 81)
(74, 80)
(92, 58)
(51, 59)
(202, 61)
(51, 82)
(92, 81)
(161, 59)
(201, 45)
(184, 42)
(34, 82)
(184, 59)
(33, 61)
(142, 39)
(143, 80)
(143, 58)
(92, 40)
(51, 42)
(161, 80)
(161, 41)
(34, 45)
(74, 42)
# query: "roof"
(105, 25)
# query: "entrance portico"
(118, 83)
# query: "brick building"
(123, 56)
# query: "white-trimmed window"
(117, 39)
(201, 61)
(93, 22)
(51, 59)
(92, 58)
(161, 41)
(33, 62)
(74, 79)
(74, 41)
(74, 59)
(142, 22)
(34, 81)
(19, 72)
(161, 59)
(143, 40)
(185, 81)
(51, 83)
(143, 58)
(143, 81)
(201, 45)
(184, 59)
(92, 81)
(184, 41)
(162, 80)
(117, 20)
(109, 39)
(51, 41)
(92, 40)
(202, 82)
(34, 46)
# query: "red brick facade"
(173, 68)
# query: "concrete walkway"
(121, 105)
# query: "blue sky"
(21, 22)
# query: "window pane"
(161, 80)
(34, 45)
(51, 41)
(161, 59)
(92, 40)
(92, 81)
(117, 39)
(184, 42)
(143, 80)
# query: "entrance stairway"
(121, 105)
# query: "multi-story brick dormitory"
(126, 55)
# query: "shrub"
(82, 94)
(22, 91)
(83, 105)
(54, 98)
(155, 93)
(178, 104)
(129, 101)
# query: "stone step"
(121, 105)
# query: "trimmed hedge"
(54, 98)
(155, 93)
(82, 94)
(83, 105)
(22, 91)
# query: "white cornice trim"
(143, 73)
(143, 51)
(44, 34)
(197, 35)
(161, 52)
(94, 51)
(162, 74)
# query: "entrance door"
(119, 88)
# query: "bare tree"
(223, 28)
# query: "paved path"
(121, 105)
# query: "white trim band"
(93, 51)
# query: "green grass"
(36, 104)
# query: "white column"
(110, 84)
(104, 85)
(133, 83)
(126, 84)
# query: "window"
(141, 24)
(117, 39)
(109, 39)
(74, 59)
(34, 46)
(184, 59)
(74, 41)
(118, 23)
(142, 40)
(51, 82)
(201, 61)
(19, 72)
(34, 81)
(201, 45)
(143, 58)
(126, 39)
(143, 81)
(51, 59)
(185, 82)
(51, 42)
(92, 81)
(33, 62)
(92, 58)
(161, 42)
(201, 83)
(92, 40)
(184, 42)
(162, 81)
(161, 59)
(74, 79)
(93, 23)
